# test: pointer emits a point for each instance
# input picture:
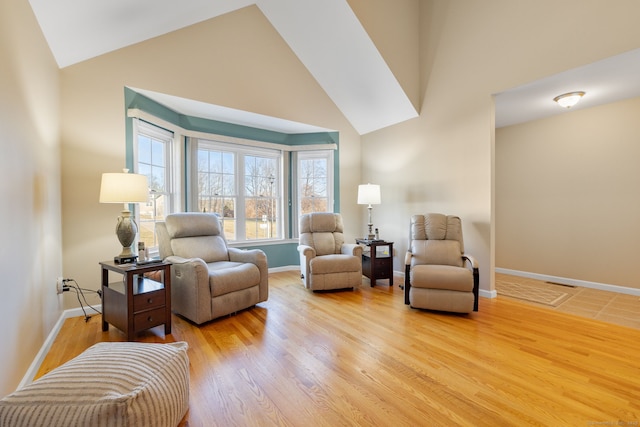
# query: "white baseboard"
(35, 365)
(488, 294)
(284, 268)
(571, 282)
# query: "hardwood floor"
(364, 358)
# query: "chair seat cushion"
(109, 384)
(227, 276)
(336, 263)
(442, 277)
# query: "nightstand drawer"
(148, 319)
(148, 300)
(381, 269)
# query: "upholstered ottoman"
(109, 384)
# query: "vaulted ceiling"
(365, 89)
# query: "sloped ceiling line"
(325, 35)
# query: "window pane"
(157, 182)
(227, 186)
(320, 188)
(261, 197)
(145, 169)
(241, 184)
(214, 161)
(147, 233)
(314, 183)
(228, 163)
(144, 149)
(226, 211)
(157, 154)
(230, 229)
(152, 161)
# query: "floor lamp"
(369, 194)
(124, 188)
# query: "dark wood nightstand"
(137, 302)
(377, 262)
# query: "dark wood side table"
(137, 302)
(377, 262)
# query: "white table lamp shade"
(369, 194)
(124, 188)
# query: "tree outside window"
(314, 182)
(247, 203)
(217, 187)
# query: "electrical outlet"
(60, 285)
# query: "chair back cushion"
(436, 239)
(196, 235)
(323, 231)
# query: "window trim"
(145, 128)
(295, 196)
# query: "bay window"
(257, 187)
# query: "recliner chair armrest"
(191, 262)
(254, 256)
(471, 260)
(257, 257)
(307, 251)
(476, 278)
(351, 249)
(407, 273)
(190, 291)
(407, 258)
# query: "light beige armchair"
(208, 278)
(438, 274)
(326, 261)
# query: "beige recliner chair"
(438, 274)
(326, 262)
(208, 278)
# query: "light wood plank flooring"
(364, 358)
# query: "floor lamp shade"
(124, 188)
(369, 194)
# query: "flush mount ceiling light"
(568, 100)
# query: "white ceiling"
(192, 108)
(365, 89)
(611, 79)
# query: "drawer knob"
(149, 319)
(150, 300)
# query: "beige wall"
(236, 60)
(442, 161)
(567, 195)
(30, 254)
